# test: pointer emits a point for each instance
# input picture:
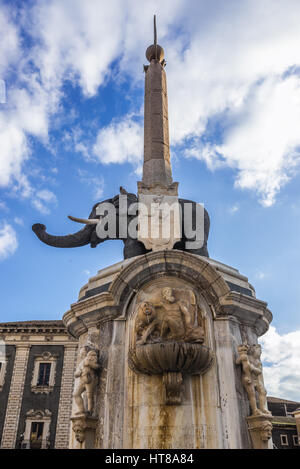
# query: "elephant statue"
(132, 247)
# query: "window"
(37, 430)
(2, 371)
(36, 435)
(43, 378)
(296, 440)
(44, 374)
(284, 440)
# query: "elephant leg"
(133, 248)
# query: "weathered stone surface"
(84, 427)
(156, 359)
(157, 167)
(260, 429)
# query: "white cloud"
(14, 151)
(281, 357)
(76, 140)
(19, 221)
(270, 122)
(3, 206)
(95, 182)
(260, 275)
(120, 142)
(233, 209)
(77, 40)
(43, 199)
(8, 241)
(9, 41)
(46, 195)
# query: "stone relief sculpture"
(260, 429)
(79, 430)
(168, 337)
(86, 376)
(84, 428)
(171, 318)
(266, 431)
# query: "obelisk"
(157, 167)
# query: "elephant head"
(88, 234)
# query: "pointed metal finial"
(155, 51)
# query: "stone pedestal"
(167, 326)
(260, 429)
(84, 428)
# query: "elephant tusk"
(89, 221)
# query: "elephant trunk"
(80, 238)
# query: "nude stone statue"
(257, 376)
(173, 322)
(249, 358)
(87, 377)
(247, 377)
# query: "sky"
(71, 133)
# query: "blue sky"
(71, 132)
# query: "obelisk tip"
(155, 51)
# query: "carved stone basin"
(156, 359)
(170, 359)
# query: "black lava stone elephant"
(132, 247)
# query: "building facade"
(285, 434)
(37, 360)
